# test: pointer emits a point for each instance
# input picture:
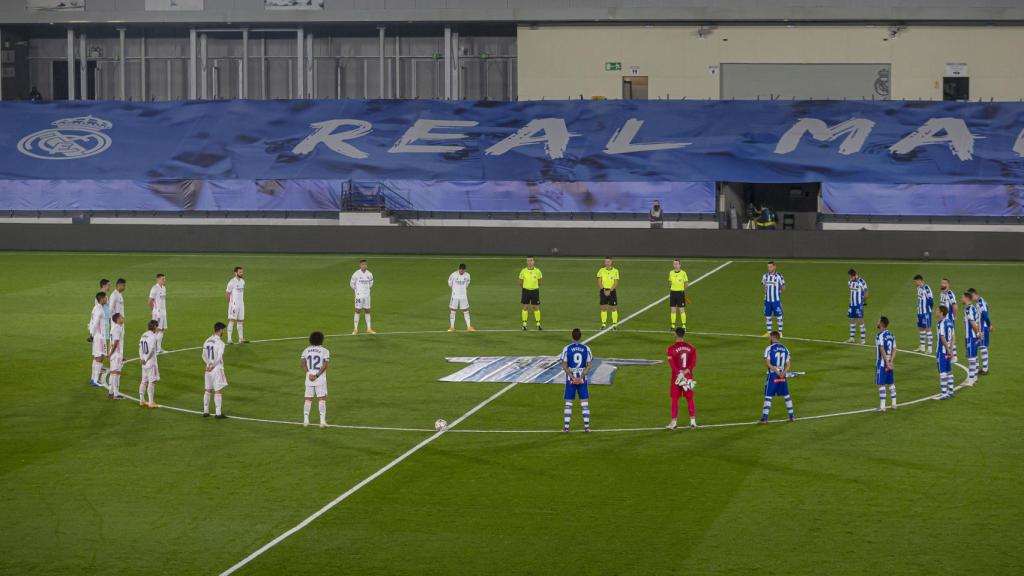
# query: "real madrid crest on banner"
(72, 138)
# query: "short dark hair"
(237, 268)
(851, 272)
(677, 260)
(121, 281)
(967, 294)
(577, 334)
(528, 257)
(943, 309)
(161, 275)
(104, 282)
(100, 296)
(776, 334)
(153, 324)
(462, 266)
(680, 332)
(947, 280)
(362, 260)
(884, 321)
(972, 291)
(316, 338)
(771, 261)
(918, 277)
(115, 317)
(607, 257)
(218, 326)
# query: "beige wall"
(566, 61)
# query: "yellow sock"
(672, 317)
(604, 317)
(682, 319)
(615, 316)
(536, 316)
(525, 316)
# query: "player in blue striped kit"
(777, 359)
(948, 298)
(925, 304)
(576, 362)
(885, 353)
(858, 300)
(986, 328)
(972, 337)
(944, 352)
(774, 284)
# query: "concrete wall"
(511, 241)
(676, 59)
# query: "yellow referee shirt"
(608, 277)
(677, 280)
(531, 278)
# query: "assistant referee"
(529, 281)
(677, 281)
(607, 283)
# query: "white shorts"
(151, 372)
(362, 302)
(116, 362)
(317, 389)
(161, 318)
(216, 380)
(99, 346)
(459, 303)
(236, 312)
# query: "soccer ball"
(440, 424)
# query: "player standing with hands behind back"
(607, 284)
(158, 309)
(576, 362)
(235, 293)
(677, 281)
(776, 357)
(314, 361)
(682, 357)
(530, 279)
(458, 281)
(361, 283)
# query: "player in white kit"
(116, 355)
(97, 336)
(361, 283)
(216, 381)
(235, 294)
(459, 283)
(314, 361)
(158, 308)
(117, 300)
(147, 358)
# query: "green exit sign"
(610, 66)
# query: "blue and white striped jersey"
(576, 356)
(777, 355)
(971, 315)
(945, 330)
(858, 288)
(982, 310)
(925, 299)
(948, 299)
(773, 283)
(884, 342)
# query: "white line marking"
(424, 443)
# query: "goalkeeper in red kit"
(682, 357)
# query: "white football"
(440, 424)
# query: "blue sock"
(928, 335)
(586, 413)
(780, 324)
(767, 407)
(568, 412)
(881, 395)
(853, 330)
(789, 406)
(984, 357)
(767, 323)
(863, 331)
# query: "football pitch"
(94, 486)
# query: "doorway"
(60, 81)
(634, 87)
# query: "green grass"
(92, 486)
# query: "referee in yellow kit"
(607, 283)
(677, 281)
(530, 279)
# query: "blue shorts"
(574, 390)
(944, 364)
(971, 344)
(773, 309)
(855, 311)
(984, 336)
(884, 377)
(773, 388)
(924, 320)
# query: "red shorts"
(677, 392)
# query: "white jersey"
(459, 283)
(116, 303)
(236, 290)
(147, 348)
(213, 352)
(117, 335)
(158, 294)
(316, 357)
(361, 282)
(97, 322)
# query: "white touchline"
(422, 444)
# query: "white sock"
(465, 316)
(355, 321)
(693, 421)
(305, 410)
(103, 374)
(451, 318)
(892, 394)
(231, 327)
(150, 390)
(206, 402)
(323, 411)
(240, 336)
(368, 321)
(95, 377)
(218, 400)
(142, 391)
(114, 382)
(160, 341)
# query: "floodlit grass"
(89, 485)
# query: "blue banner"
(997, 200)
(546, 141)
